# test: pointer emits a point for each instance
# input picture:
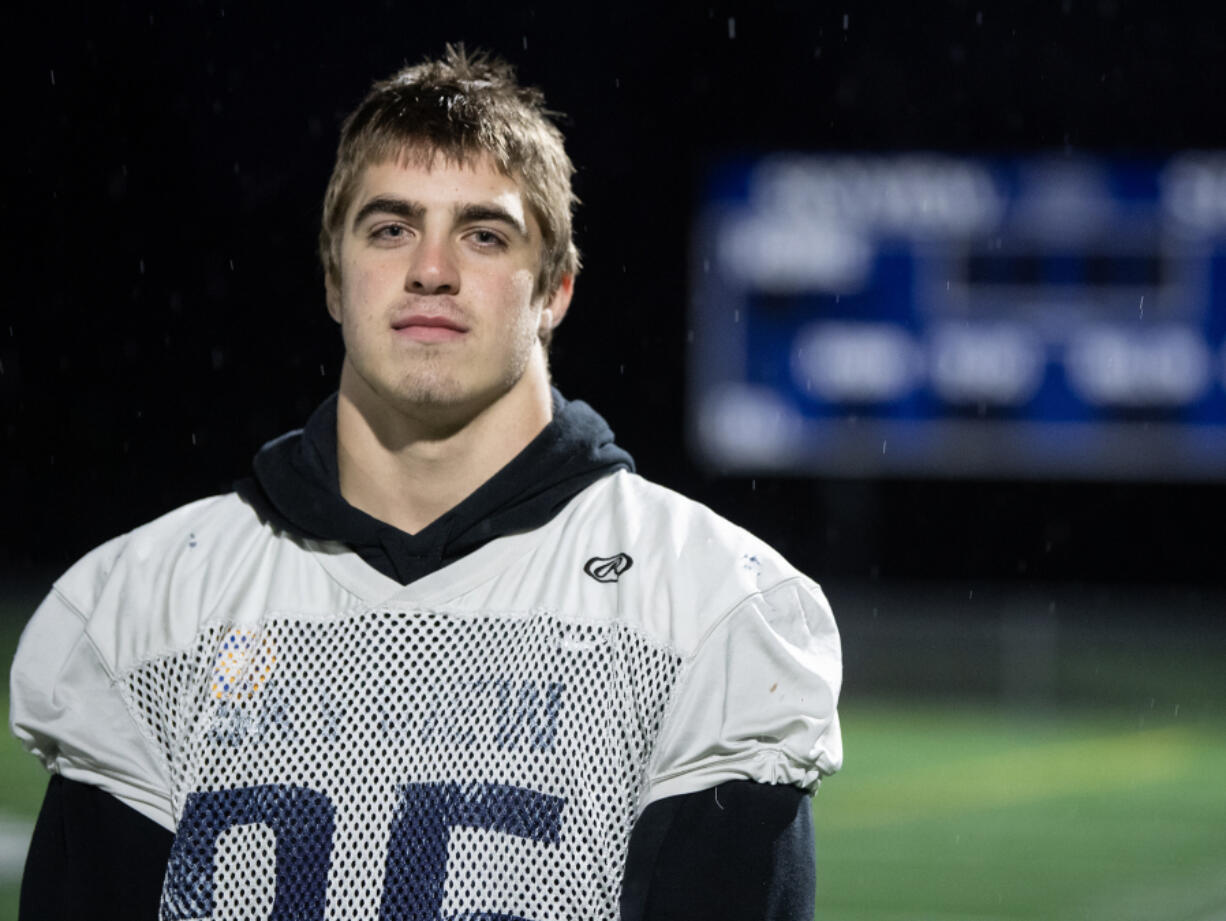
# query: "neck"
(407, 465)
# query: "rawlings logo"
(607, 568)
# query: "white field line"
(14, 840)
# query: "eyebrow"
(471, 214)
(464, 214)
(383, 204)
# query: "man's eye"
(388, 232)
(486, 238)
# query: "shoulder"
(761, 663)
(181, 539)
(689, 567)
(127, 602)
(164, 538)
(149, 588)
(678, 531)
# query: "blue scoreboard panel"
(933, 315)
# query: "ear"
(556, 305)
(332, 294)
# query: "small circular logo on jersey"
(243, 664)
(607, 568)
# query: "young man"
(445, 655)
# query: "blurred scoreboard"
(930, 315)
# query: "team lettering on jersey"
(525, 715)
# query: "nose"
(432, 269)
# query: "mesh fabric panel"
(399, 764)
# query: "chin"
(449, 393)
(439, 388)
(423, 394)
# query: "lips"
(422, 327)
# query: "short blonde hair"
(460, 107)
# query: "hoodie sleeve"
(740, 850)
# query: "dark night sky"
(164, 312)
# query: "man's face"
(435, 296)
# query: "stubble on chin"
(429, 382)
(436, 382)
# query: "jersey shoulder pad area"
(136, 597)
(690, 566)
(762, 666)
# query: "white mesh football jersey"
(327, 743)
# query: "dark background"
(163, 309)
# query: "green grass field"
(948, 811)
(22, 781)
(950, 814)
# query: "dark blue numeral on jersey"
(417, 852)
(302, 820)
